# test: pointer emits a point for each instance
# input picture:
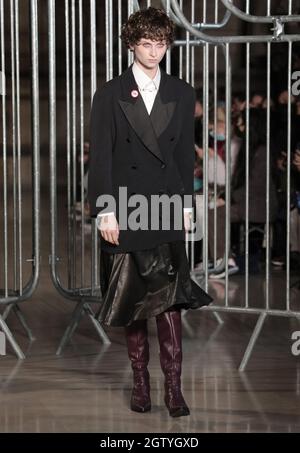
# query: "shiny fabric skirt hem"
(142, 284)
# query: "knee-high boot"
(138, 353)
(170, 342)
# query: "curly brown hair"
(151, 23)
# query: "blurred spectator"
(257, 100)
(295, 213)
(280, 140)
(238, 104)
(257, 191)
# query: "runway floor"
(87, 389)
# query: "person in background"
(257, 191)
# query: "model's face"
(149, 53)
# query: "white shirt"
(148, 89)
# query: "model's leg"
(138, 353)
(170, 342)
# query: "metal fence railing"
(203, 56)
(20, 268)
(229, 55)
(211, 44)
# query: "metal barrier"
(82, 285)
(211, 43)
(191, 61)
(79, 61)
(18, 281)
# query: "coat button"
(128, 140)
(172, 139)
(134, 167)
(171, 270)
(163, 166)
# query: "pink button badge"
(134, 93)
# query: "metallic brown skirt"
(141, 284)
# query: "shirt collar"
(143, 80)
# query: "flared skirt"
(141, 284)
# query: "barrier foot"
(76, 315)
(218, 317)
(99, 329)
(23, 322)
(10, 338)
(252, 341)
(81, 308)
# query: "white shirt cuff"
(101, 214)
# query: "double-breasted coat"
(148, 272)
(148, 154)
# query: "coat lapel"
(161, 113)
(137, 116)
(148, 128)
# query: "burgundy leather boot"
(170, 342)
(138, 353)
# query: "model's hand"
(187, 221)
(109, 228)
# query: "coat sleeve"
(184, 153)
(102, 133)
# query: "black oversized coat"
(149, 154)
